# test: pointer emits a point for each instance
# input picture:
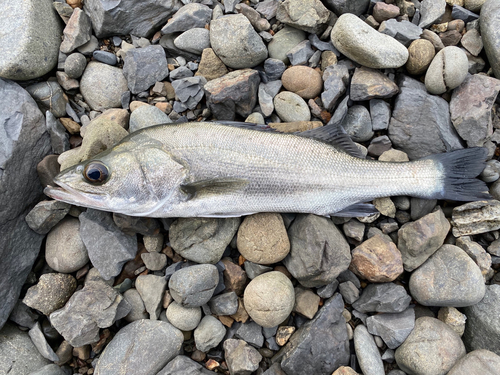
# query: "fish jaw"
(67, 195)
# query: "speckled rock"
(262, 238)
(421, 52)
(447, 70)
(361, 43)
(269, 298)
(477, 362)
(308, 15)
(51, 292)
(302, 80)
(46, 214)
(291, 107)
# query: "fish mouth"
(66, 194)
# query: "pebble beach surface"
(414, 289)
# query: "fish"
(210, 169)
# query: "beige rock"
(447, 70)
(71, 126)
(344, 370)
(386, 206)
(477, 362)
(474, 5)
(295, 126)
(383, 11)
(302, 80)
(136, 104)
(306, 302)
(51, 292)
(421, 52)
(454, 318)
(328, 58)
(394, 155)
(476, 217)
(211, 66)
(118, 115)
(283, 334)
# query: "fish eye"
(96, 172)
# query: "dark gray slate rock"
(31, 35)
(420, 124)
(367, 352)
(431, 11)
(357, 7)
(274, 69)
(318, 251)
(41, 343)
(321, 345)
(421, 207)
(167, 42)
(189, 90)
(24, 142)
(190, 16)
(482, 322)
(182, 365)
(105, 57)
(349, 292)
(77, 31)
(49, 97)
(51, 369)
(108, 247)
(224, 304)
(143, 67)
(358, 124)
(327, 291)
(386, 298)
(132, 225)
(194, 286)
(181, 72)
(18, 354)
(253, 269)
(460, 13)
(404, 32)
(301, 53)
(59, 138)
(46, 215)
(490, 33)
(440, 343)
(336, 79)
(125, 354)
(151, 288)
(23, 315)
(95, 306)
(477, 362)
(209, 333)
(322, 46)
(251, 332)
(267, 92)
(392, 328)
(241, 358)
(128, 16)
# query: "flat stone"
(447, 70)
(291, 107)
(102, 86)
(209, 333)
(146, 116)
(490, 33)
(380, 113)
(143, 67)
(45, 215)
(461, 13)
(366, 46)
(431, 11)
(189, 16)
(31, 35)
(77, 31)
(194, 286)
(241, 358)
(477, 362)
(75, 64)
(189, 90)
(368, 84)
(193, 40)
(108, 247)
(404, 32)
(481, 324)
(392, 328)
(470, 108)
(441, 345)
(267, 92)
(138, 310)
(475, 217)
(95, 306)
(476, 252)
(236, 43)
(51, 292)
(320, 345)
(367, 352)
(349, 292)
(202, 240)
(383, 298)
(105, 57)
(125, 352)
(283, 41)
(251, 333)
(472, 42)
(358, 124)
(41, 343)
(127, 17)
(309, 15)
(151, 288)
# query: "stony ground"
(412, 290)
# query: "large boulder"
(24, 142)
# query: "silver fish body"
(212, 170)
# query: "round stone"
(51, 292)
(303, 80)
(447, 70)
(421, 52)
(102, 86)
(262, 238)
(269, 298)
(477, 362)
(283, 41)
(236, 42)
(184, 318)
(434, 283)
(209, 333)
(490, 33)
(291, 107)
(64, 249)
(365, 45)
(74, 65)
(193, 40)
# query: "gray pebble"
(251, 333)
(105, 57)
(193, 40)
(46, 214)
(241, 358)
(189, 90)
(291, 107)
(358, 124)
(143, 67)
(477, 362)
(154, 261)
(146, 116)
(49, 96)
(431, 11)
(75, 64)
(380, 113)
(267, 92)
(328, 290)
(209, 333)
(41, 343)
(189, 16)
(138, 310)
(404, 32)
(224, 304)
(357, 7)
(460, 13)
(151, 288)
(384, 297)
(367, 352)
(283, 41)
(88, 48)
(301, 53)
(392, 328)
(253, 269)
(349, 292)
(183, 318)
(77, 32)
(180, 72)
(194, 286)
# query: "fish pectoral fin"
(357, 210)
(213, 186)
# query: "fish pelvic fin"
(460, 169)
(213, 186)
(357, 210)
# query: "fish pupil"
(96, 173)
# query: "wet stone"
(194, 286)
(50, 293)
(383, 298)
(392, 328)
(143, 67)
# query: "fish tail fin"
(460, 170)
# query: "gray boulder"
(24, 142)
(129, 16)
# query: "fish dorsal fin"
(213, 186)
(357, 210)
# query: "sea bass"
(214, 170)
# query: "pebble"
(105, 57)
(49, 96)
(354, 229)
(64, 250)
(211, 66)
(421, 52)
(291, 107)
(41, 343)
(476, 252)
(189, 16)
(368, 84)
(180, 72)
(366, 46)
(25, 56)
(50, 293)
(377, 260)
(283, 41)
(102, 86)
(441, 345)
(357, 7)
(454, 318)
(125, 352)
(472, 42)
(77, 32)
(490, 33)
(236, 43)
(75, 64)
(383, 298)
(183, 318)
(209, 333)
(306, 302)
(431, 11)
(447, 70)
(189, 91)
(392, 328)
(253, 269)
(303, 81)
(308, 15)
(235, 279)
(193, 40)
(404, 32)
(383, 12)
(269, 298)
(349, 292)
(367, 352)
(46, 214)
(477, 362)
(154, 261)
(151, 288)
(267, 92)
(481, 325)
(358, 124)
(146, 116)
(380, 113)
(262, 238)
(143, 67)
(224, 304)
(241, 358)
(194, 286)
(461, 13)
(88, 48)
(251, 333)
(184, 365)
(202, 240)
(137, 308)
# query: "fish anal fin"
(213, 186)
(357, 210)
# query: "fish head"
(130, 179)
